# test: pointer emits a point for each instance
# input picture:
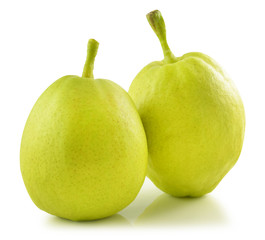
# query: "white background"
(44, 40)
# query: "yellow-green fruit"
(83, 151)
(193, 117)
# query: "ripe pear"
(83, 150)
(193, 118)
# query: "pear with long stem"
(83, 150)
(193, 118)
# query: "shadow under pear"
(166, 210)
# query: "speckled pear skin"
(194, 121)
(83, 151)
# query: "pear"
(193, 118)
(83, 150)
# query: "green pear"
(83, 151)
(193, 118)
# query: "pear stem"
(92, 49)
(157, 23)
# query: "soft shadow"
(166, 210)
(142, 201)
(112, 221)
